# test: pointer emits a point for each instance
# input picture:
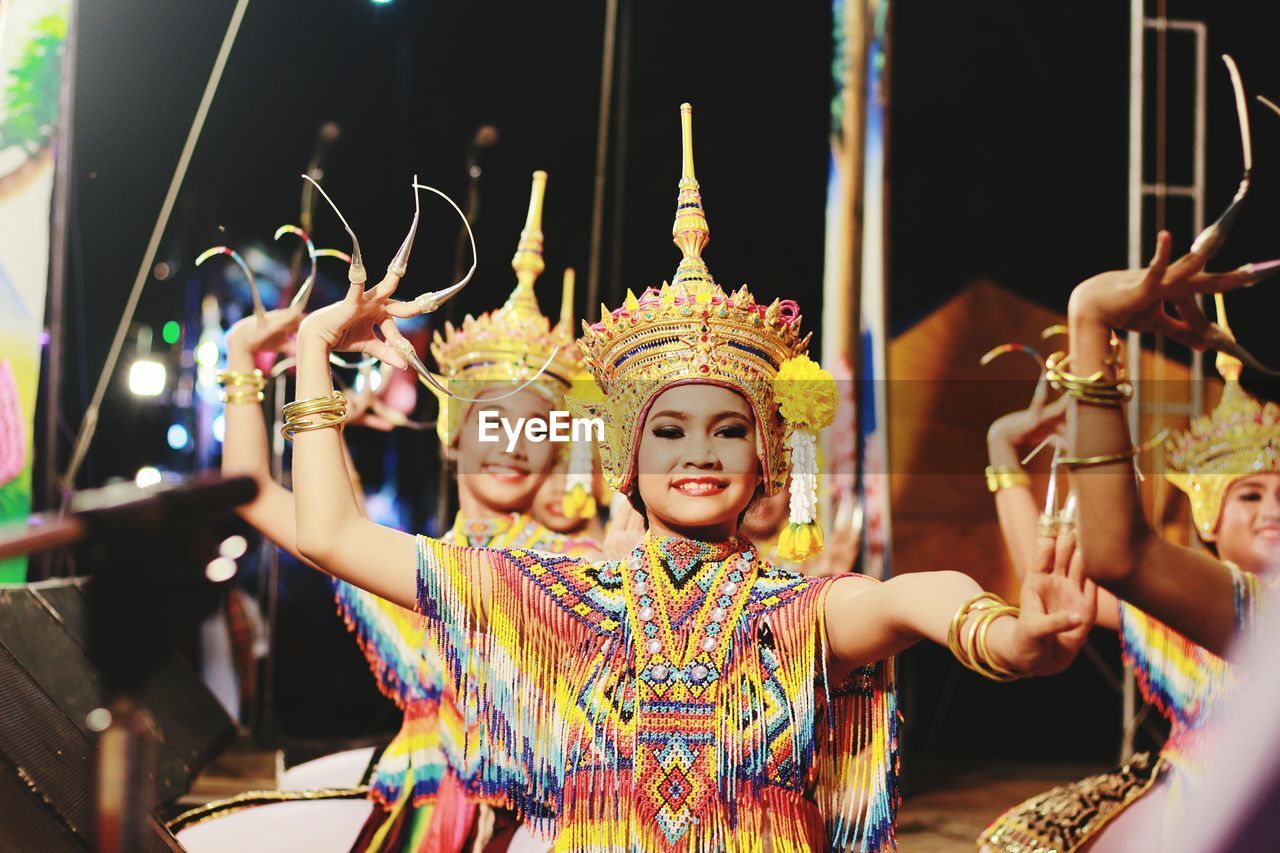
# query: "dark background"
(1008, 161)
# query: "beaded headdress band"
(1239, 438)
(691, 331)
(508, 346)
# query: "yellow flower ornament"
(806, 396)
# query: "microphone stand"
(486, 137)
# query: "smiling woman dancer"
(689, 696)
(427, 791)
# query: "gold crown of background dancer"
(1239, 438)
(506, 346)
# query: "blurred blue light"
(178, 436)
(219, 428)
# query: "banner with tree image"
(32, 37)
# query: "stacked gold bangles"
(1005, 477)
(971, 649)
(1094, 389)
(314, 413)
(242, 387)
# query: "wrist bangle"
(314, 413)
(1107, 459)
(1005, 477)
(1094, 389)
(240, 387)
(972, 650)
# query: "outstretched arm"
(1187, 589)
(867, 622)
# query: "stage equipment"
(95, 660)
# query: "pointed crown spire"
(565, 329)
(1228, 366)
(528, 263)
(690, 231)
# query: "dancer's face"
(1248, 532)
(548, 506)
(491, 480)
(697, 462)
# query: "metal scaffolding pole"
(1139, 191)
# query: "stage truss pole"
(1149, 398)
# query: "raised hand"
(1135, 299)
(1059, 606)
(353, 324)
(1026, 428)
(269, 332)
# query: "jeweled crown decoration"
(1239, 438)
(688, 331)
(508, 345)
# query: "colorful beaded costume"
(497, 350)
(677, 699)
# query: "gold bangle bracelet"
(314, 413)
(1109, 458)
(971, 649)
(992, 670)
(331, 402)
(981, 601)
(236, 379)
(232, 396)
(1005, 477)
(1094, 390)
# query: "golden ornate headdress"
(1239, 438)
(691, 331)
(508, 345)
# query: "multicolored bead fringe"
(408, 667)
(563, 725)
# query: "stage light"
(98, 720)
(220, 428)
(147, 476)
(373, 379)
(171, 332)
(380, 2)
(207, 354)
(147, 378)
(178, 437)
(220, 569)
(233, 547)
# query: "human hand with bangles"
(270, 332)
(1135, 299)
(1057, 582)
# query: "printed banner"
(855, 326)
(32, 36)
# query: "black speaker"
(50, 684)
